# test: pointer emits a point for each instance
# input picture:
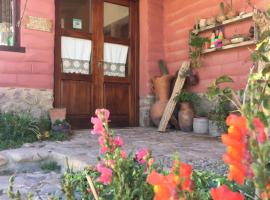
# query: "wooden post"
(172, 103)
(92, 187)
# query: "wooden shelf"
(226, 22)
(230, 46)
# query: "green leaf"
(223, 79)
(264, 118)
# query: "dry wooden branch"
(92, 187)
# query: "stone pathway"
(202, 151)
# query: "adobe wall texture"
(165, 26)
(32, 69)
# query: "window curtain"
(6, 21)
(115, 59)
(76, 55)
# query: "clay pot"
(231, 14)
(162, 91)
(57, 114)
(185, 116)
(221, 18)
(211, 21)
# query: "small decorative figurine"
(217, 38)
(212, 39)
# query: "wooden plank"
(230, 46)
(172, 103)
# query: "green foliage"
(222, 7)
(163, 68)
(19, 128)
(205, 181)
(185, 96)
(50, 166)
(196, 46)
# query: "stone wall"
(35, 101)
(145, 104)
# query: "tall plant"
(247, 141)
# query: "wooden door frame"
(135, 38)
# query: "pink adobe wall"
(33, 69)
(180, 16)
(151, 42)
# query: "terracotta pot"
(221, 18)
(185, 116)
(162, 87)
(232, 14)
(157, 110)
(162, 91)
(57, 114)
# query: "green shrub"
(19, 128)
(51, 166)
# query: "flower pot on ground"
(200, 122)
(57, 114)
(186, 111)
(161, 86)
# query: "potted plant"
(231, 12)
(217, 118)
(196, 44)
(221, 17)
(57, 114)
(200, 121)
(161, 85)
(186, 110)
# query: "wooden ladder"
(172, 103)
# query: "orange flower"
(161, 186)
(236, 141)
(224, 193)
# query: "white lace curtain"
(76, 55)
(115, 58)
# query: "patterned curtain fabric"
(76, 55)
(115, 59)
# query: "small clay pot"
(185, 117)
(211, 21)
(57, 114)
(221, 18)
(231, 14)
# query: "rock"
(27, 155)
(3, 161)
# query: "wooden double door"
(96, 60)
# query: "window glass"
(7, 33)
(116, 20)
(76, 15)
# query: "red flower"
(237, 153)
(141, 155)
(224, 193)
(106, 174)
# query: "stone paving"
(81, 150)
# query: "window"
(9, 27)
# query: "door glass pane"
(76, 55)
(76, 15)
(7, 22)
(115, 60)
(116, 20)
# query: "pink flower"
(98, 126)
(104, 148)
(141, 155)
(123, 154)
(103, 113)
(118, 141)
(106, 174)
(261, 130)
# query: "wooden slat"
(172, 103)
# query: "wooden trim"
(117, 40)
(12, 49)
(17, 39)
(119, 2)
(76, 33)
